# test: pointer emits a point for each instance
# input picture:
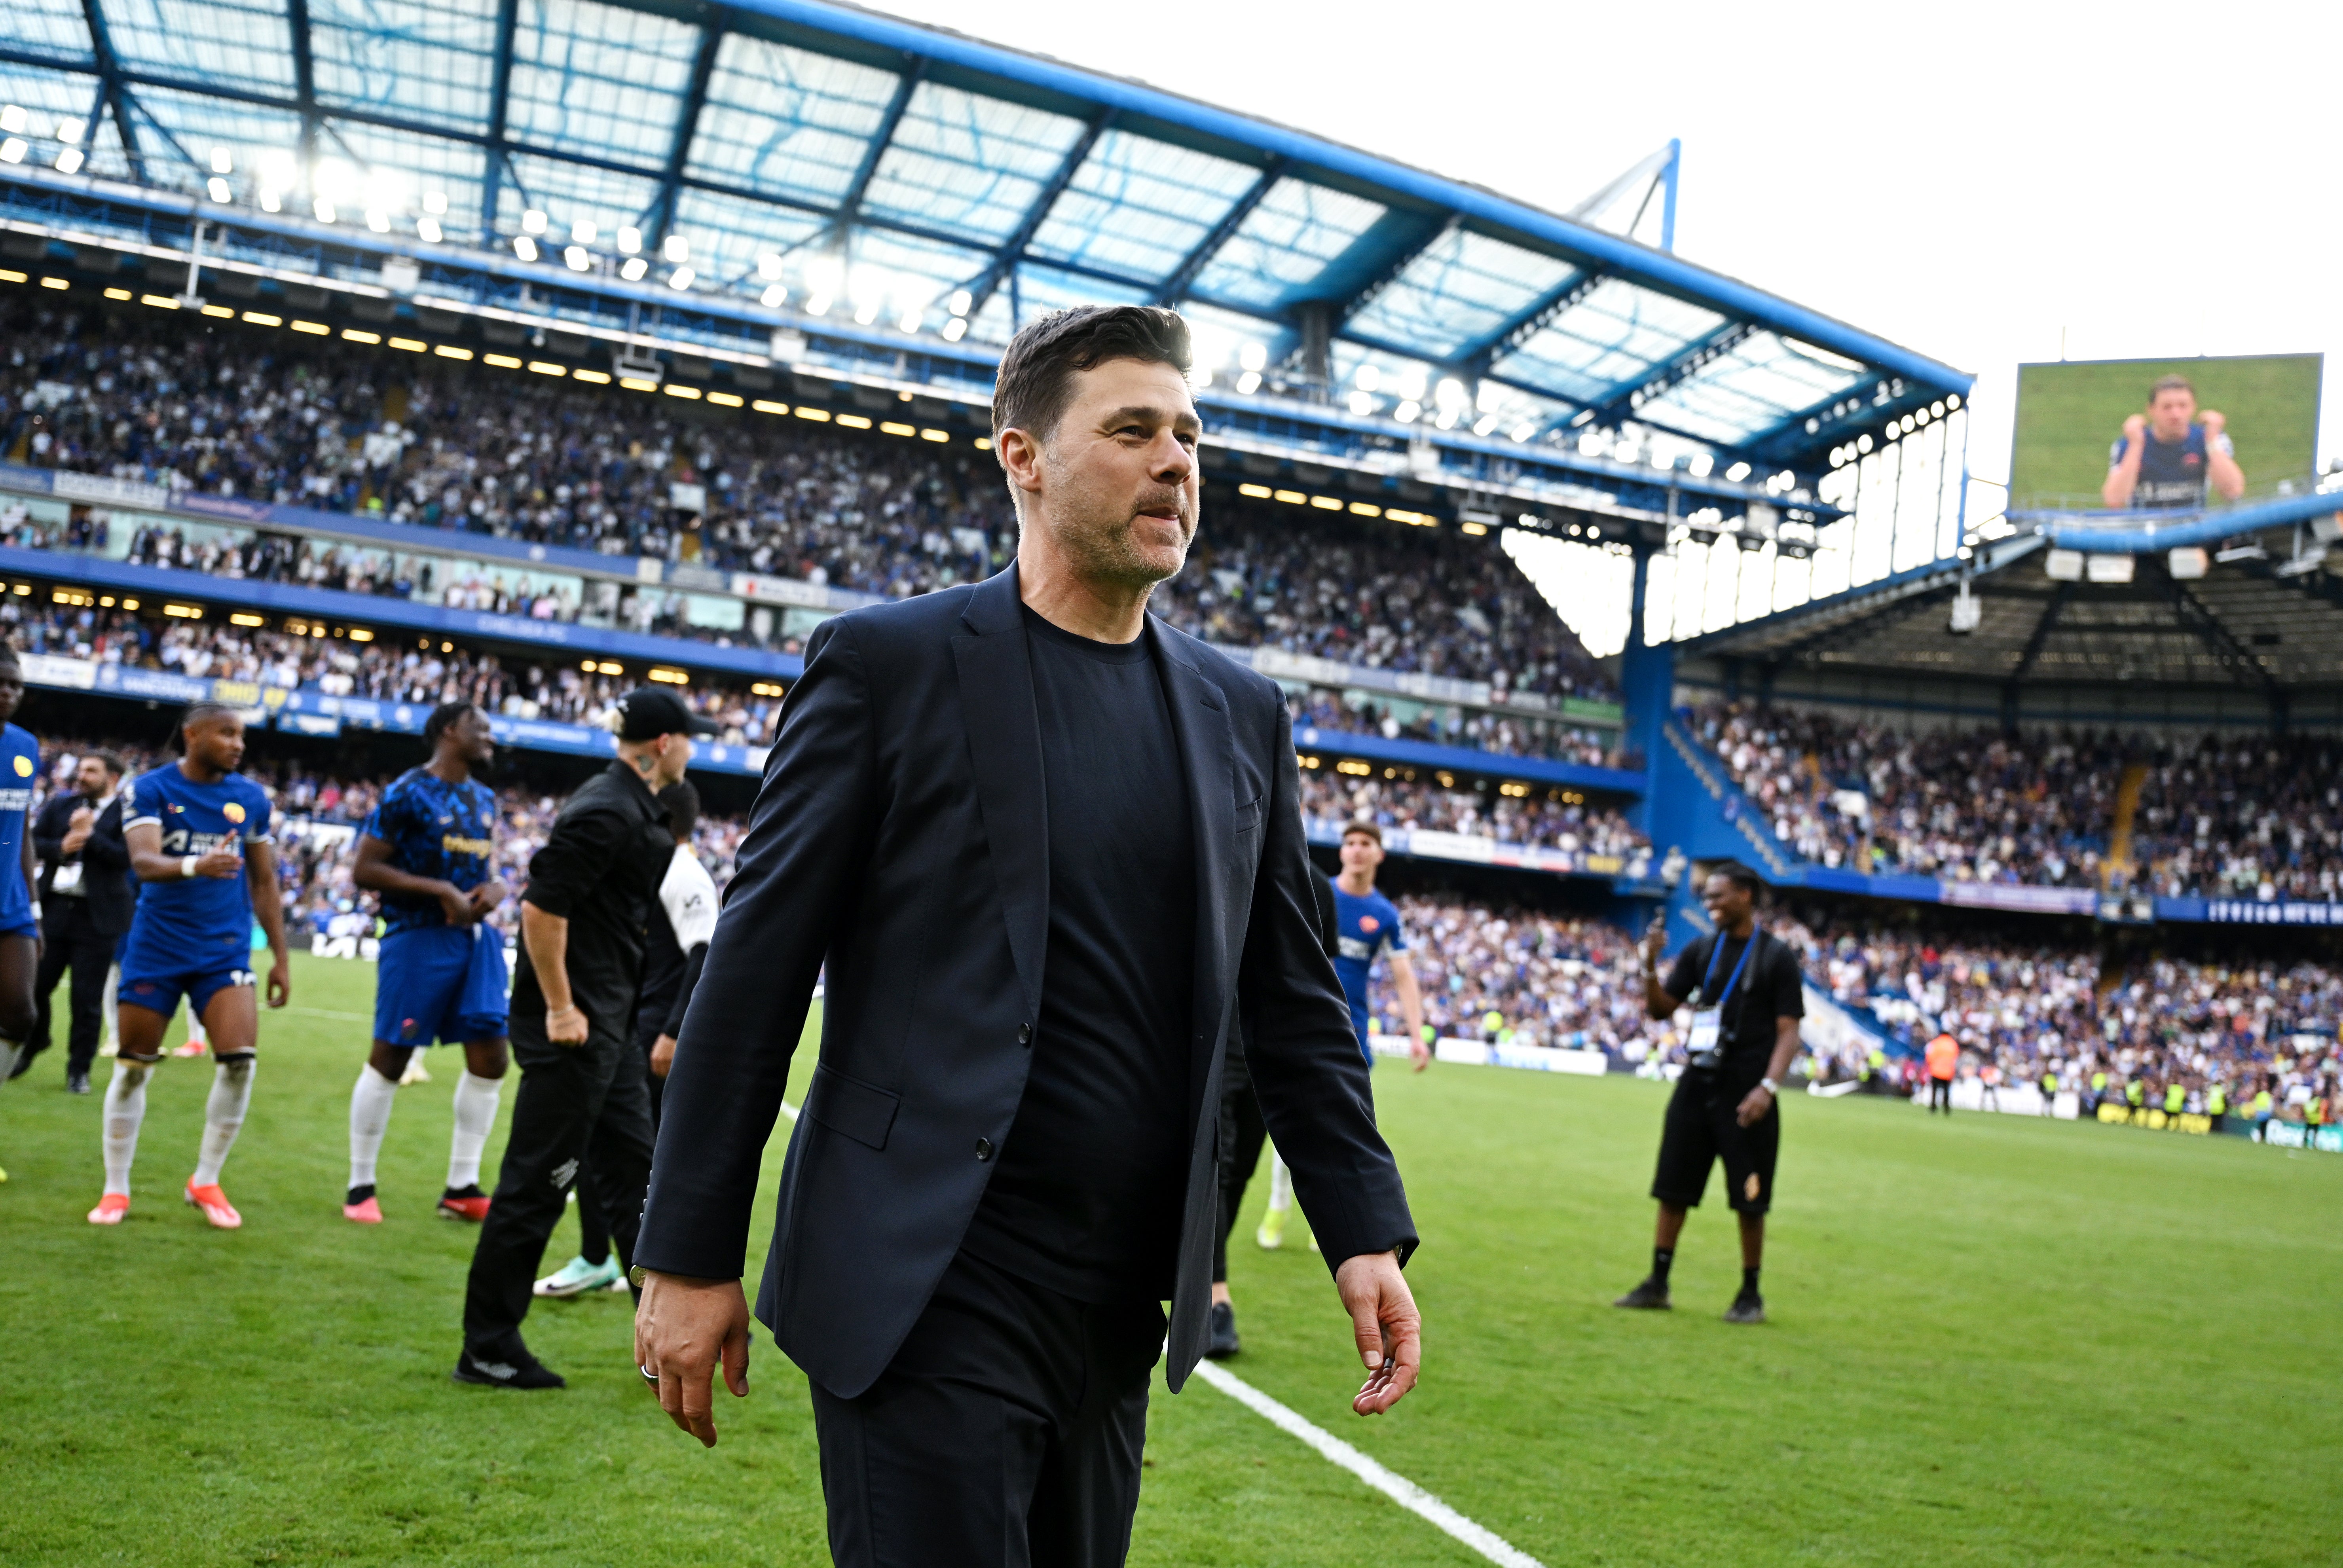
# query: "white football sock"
(111, 1007)
(10, 1050)
(370, 1101)
(126, 1108)
(223, 1110)
(476, 1116)
(1280, 1184)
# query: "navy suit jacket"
(900, 836)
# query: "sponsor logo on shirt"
(15, 799)
(233, 811)
(23, 768)
(1369, 924)
(455, 845)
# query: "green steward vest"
(2174, 1097)
(2099, 1083)
(2217, 1102)
(2262, 1102)
(2134, 1092)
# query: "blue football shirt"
(196, 918)
(435, 830)
(1364, 929)
(20, 763)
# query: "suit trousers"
(1242, 1133)
(582, 1110)
(1005, 1433)
(594, 1223)
(72, 943)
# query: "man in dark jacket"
(86, 901)
(1047, 848)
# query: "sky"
(1988, 185)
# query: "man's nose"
(1168, 460)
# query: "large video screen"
(2248, 422)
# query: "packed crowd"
(312, 422)
(427, 672)
(1533, 821)
(1517, 977)
(2247, 820)
(1511, 735)
(2024, 1011)
(1958, 805)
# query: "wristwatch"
(1770, 1087)
(635, 1276)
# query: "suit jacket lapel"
(1004, 741)
(1200, 721)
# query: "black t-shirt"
(1086, 1195)
(1770, 988)
(599, 871)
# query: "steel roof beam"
(1183, 276)
(1013, 249)
(661, 217)
(2226, 651)
(1388, 272)
(2044, 625)
(305, 82)
(848, 210)
(499, 101)
(1620, 402)
(1540, 314)
(111, 89)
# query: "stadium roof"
(808, 154)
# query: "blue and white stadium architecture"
(792, 204)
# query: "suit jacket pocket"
(860, 1111)
(1249, 815)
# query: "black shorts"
(1700, 1128)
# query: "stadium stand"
(2257, 819)
(1548, 821)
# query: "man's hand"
(1419, 1050)
(662, 1055)
(485, 898)
(219, 861)
(1753, 1106)
(280, 982)
(683, 1328)
(565, 1025)
(77, 829)
(1382, 1319)
(1655, 937)
(2214, 421)
(456, 905)
(2134, 427)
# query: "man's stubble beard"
(1098, 537)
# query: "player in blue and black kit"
(20, 912)
(199, 846)
(429, 853)
(1367, 926)
(2169, 456)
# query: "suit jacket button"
(1024, 1034)
(984, 1149)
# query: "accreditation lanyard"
(1705, 1022)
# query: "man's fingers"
(736, 1362)
(698, 1405)
(1368, 1332)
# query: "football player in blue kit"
(20, 912)
(199, 846)
(2168, 457)
(1367, 926)
(428, 851)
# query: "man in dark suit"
(1047, 848)
(86, 899)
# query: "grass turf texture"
(1995, 1341)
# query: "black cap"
(647, 712)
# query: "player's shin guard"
(371, 1102)
(476, 1116)
(126, 1109)
(230, 1097)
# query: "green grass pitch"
(1995, 1341)
(2070, 412)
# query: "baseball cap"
(647, 712)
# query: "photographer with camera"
(1744, 1034)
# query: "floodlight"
(1953, 400)
(12, 117)
(69, 160)
(768, 266)
(676, 248)
(70, 131)
(1701, 466)
(1967, 614)
(775, 295)
(532, 221)
(12, 150)
(324, 209)
(222, 162)
(2109, 568)
(634, 269)
(866, 313)
(1363, 403)
(436, 203)
(524, 248)
(1412, 383)
(1408, 412)
(1249, 383)
(1839, 458)
(681, 278)
(1738, 472)
(1862, 444)
(630, 240)
(1368, 378)
(2185, 563)
(428, 230)
(910, 321)
(2063, 566)
(955, 329)
(1199, 376)
(377, 220)
(578, 258)
(1525, 430)
(1937, 408)
(1447, 420)
(818, 305)
(1489, 396)
(1252, 357)
(1590, 443)
(270, 201)
(1487, 423)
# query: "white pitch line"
(1396, 1487)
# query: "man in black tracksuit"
(583, 1100)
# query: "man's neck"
(1050, 588)
(198, 773)
(1358, 884)
(449, 768)
(1740, 930)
